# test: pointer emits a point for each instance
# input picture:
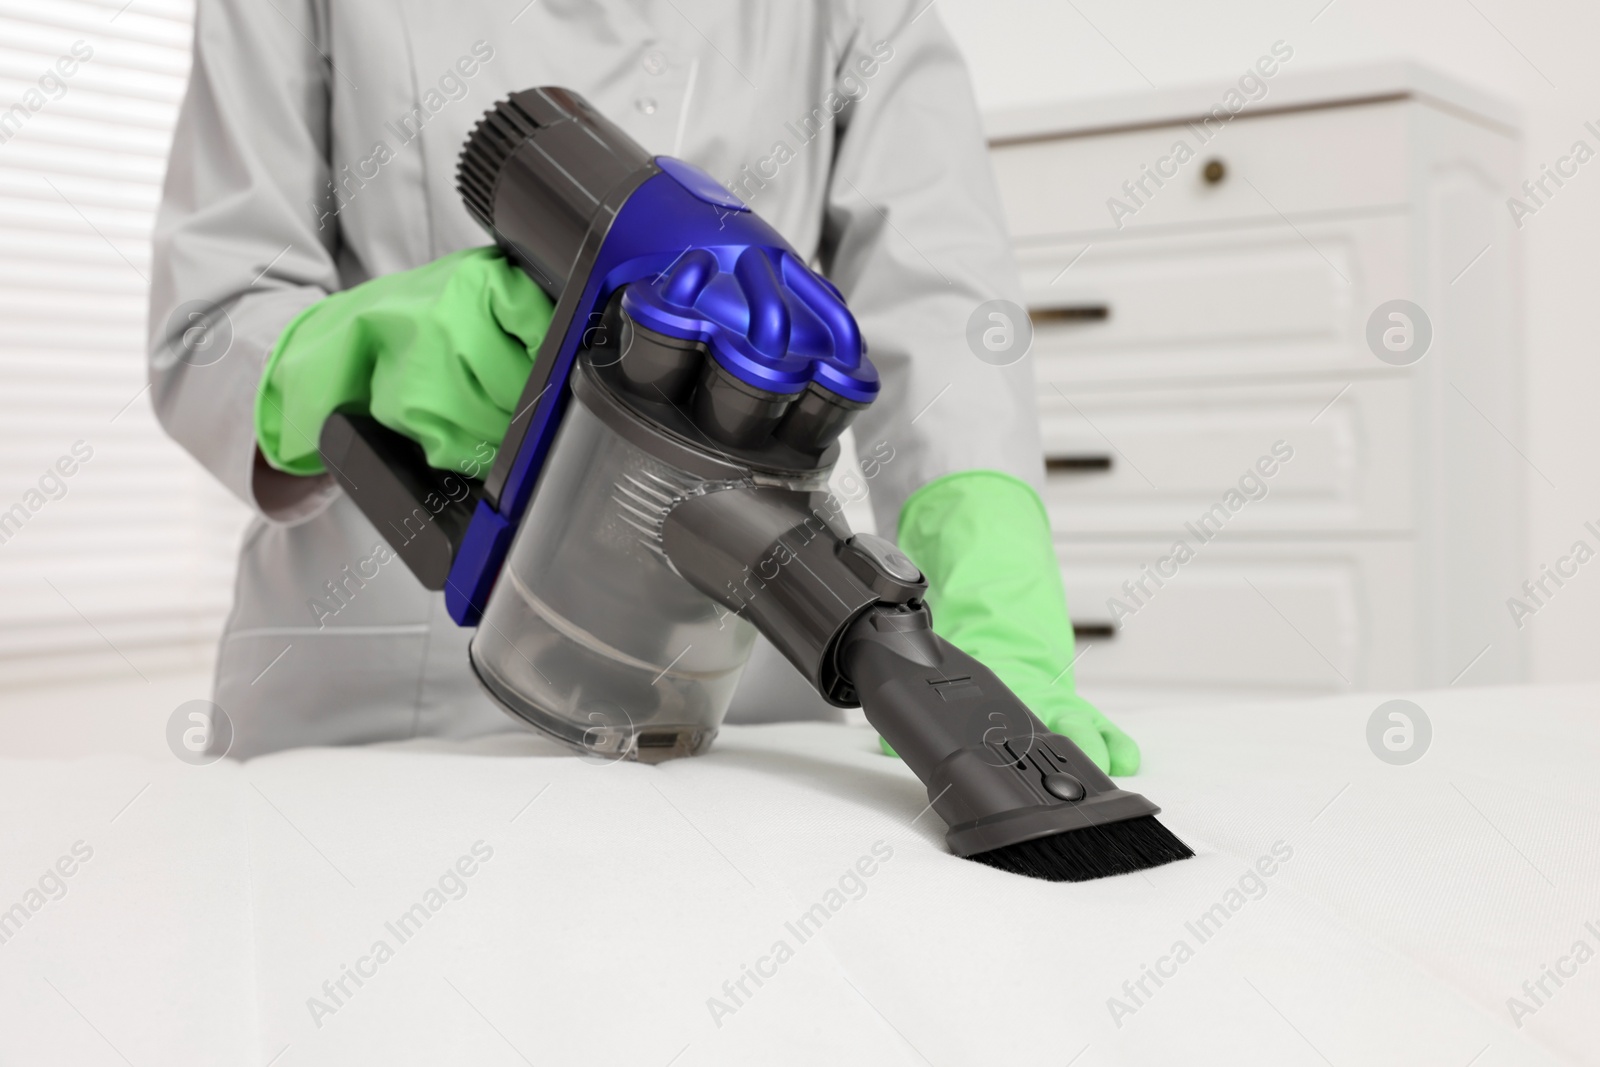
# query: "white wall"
(1537, 54)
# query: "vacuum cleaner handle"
(423, 513)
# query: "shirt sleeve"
(915, 239)
(237, 252)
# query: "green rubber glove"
(439, 353)
(983, 540)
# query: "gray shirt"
(316, 148)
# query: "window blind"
(117, 550)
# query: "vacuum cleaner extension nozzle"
(847, 611)
(1015, 795)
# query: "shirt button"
(646, 104)
(654, 61)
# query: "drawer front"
(1266, 299)
(1275, 619)
(1151, 461)
(1293, 163)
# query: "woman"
(310, 211)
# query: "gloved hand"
(983, 540)
(439, 353)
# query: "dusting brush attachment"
(1092, 852)
(1016, 796)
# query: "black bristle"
(1092, 852)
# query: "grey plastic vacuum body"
(682, 509)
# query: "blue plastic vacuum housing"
(588, 214)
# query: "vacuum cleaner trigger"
(423, 513)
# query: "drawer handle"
(1070, 313)
(1094, 631)
(1076, 464)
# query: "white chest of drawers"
(1226, 315)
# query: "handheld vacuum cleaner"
(661, 496)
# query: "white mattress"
(1405, 904)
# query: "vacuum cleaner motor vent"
(500, 132)
(571, 158)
